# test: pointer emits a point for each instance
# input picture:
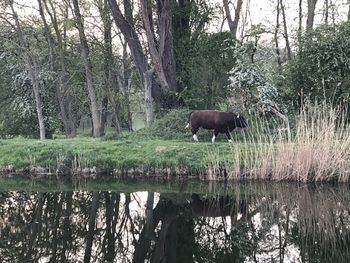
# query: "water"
(153, 221)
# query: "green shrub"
(172, 125)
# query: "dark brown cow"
(219, 121)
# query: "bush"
(172, 125)
(321, 69)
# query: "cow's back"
(207, 119)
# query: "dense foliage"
(215, 69)
(321, 69)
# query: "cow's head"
(240, 121)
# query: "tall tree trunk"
(286, 35)
(38, 101)
(127, 84)
(147, 78)
(237, 16)
(165, 10)
(311, 5)
(228, 15)
(162, 52)
(91, 230)
(104, 111)
(65, 90)
(110, 85)
(149, 216)
(97, 129)
(244, 19)
(57, 61)
(256, 40)
(126, 72)
(124, 79)
(233, 25)
(35, 228)
(32, 67)
(300, 22)
(348, 10)
(279, 61)
(333, 13)
(126, 26)
(107, 62)
(108, 250)
(56, 218)
(66, 230)
(326, 12)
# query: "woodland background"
(102, 64)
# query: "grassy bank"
(315, 146)
(122, 156)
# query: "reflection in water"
(249, 222)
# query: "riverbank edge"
(206, 173)
(95, 172)
(91, 157)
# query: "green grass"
(108, 155)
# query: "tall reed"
(317, 148)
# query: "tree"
(300, 15)
(311, 5)
(127, 27)
(321, 70)
(97, 129)
(109, 84)
(58, 65)
(207, 71)
(201, 58)
(32, 67)
(326, 11)
(286, 35)
(233, 25)
(278, 53)
(162, 53)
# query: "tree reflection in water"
(250, 222)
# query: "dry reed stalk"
(319, 150)
(235, 172)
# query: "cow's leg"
(228, 135)
(215, 134)
(194, 135)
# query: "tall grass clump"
(315, 147)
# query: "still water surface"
(153, 221)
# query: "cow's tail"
(189, 118)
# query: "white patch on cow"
(195, 138)
(230, 140)
(188, 125)
(213, 139)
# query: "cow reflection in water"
(217, 207)
(175, 240)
